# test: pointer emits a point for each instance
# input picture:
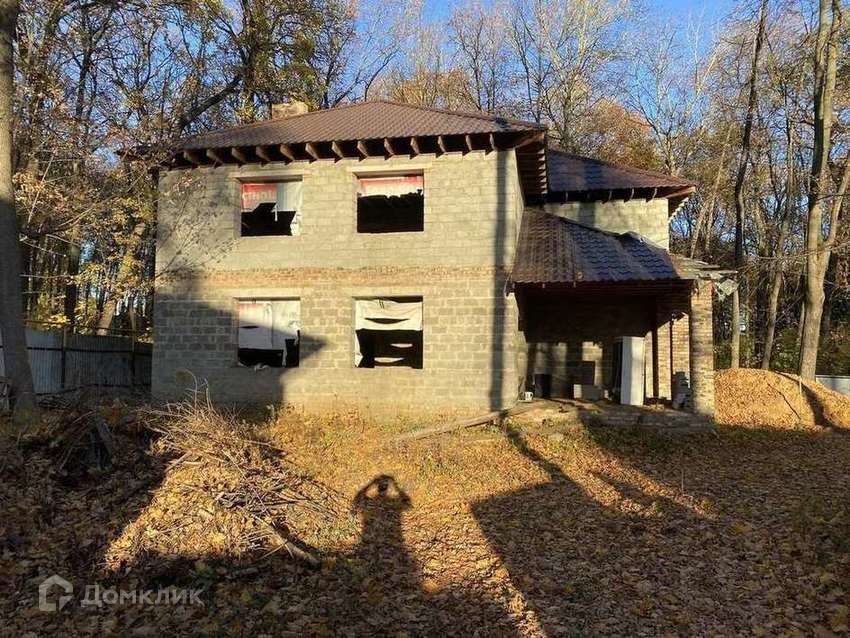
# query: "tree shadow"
(817, 407)
(554, 540)
(664, 534)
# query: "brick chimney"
(288, 109)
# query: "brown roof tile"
(360, 121)
(574, 173)
(552, 249)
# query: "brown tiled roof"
(552, 249)
(360, 121)
(574, 173)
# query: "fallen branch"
(788, 403)
(496, 416)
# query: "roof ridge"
(622, 167)
(249, 125)
(481, 115)
(478, 115)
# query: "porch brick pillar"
(664, 341)
(680, 345)
(702, 349)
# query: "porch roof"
(555, 250)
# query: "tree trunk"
(784, 230)
(15, 355)
(71, 287)
(743, 163)
(818, 248)
(735, 344)
(110, 303)
(704, 216)
(829, 292)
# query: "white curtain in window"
(384, 314)
(390, 185)
(266, 324)
(286, 321)
(255, 325)
(289, 198)
(289, 195)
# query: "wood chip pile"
(771, 399)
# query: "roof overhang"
(675, 195)
(603, 291)
(530, 148)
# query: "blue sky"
(712, 10)
(675, 10)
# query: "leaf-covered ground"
(592, 532)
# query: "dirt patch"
(771, 399)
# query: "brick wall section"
(702, 349)
(471, 208)
(679, 342)
(663, 356)
(647, 218)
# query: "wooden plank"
(263, 154)
(239, 156)
(192, 157)
(312, 151)
(214, 156)
(286, 151)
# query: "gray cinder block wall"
(645, 217)
(458, 265)
(476, 356)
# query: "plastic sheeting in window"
(266, 324)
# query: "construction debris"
(229, 494)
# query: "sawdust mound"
(781, 400)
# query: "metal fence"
(835, 382)
(63, 361)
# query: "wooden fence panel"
(63, 361)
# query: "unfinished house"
(383, 256)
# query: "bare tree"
(667, 85)
(819, 243)
(479, 36)
(743, 163)
(357, 42)
(566, 54)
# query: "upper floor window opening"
(271, 208)
(391, 204)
